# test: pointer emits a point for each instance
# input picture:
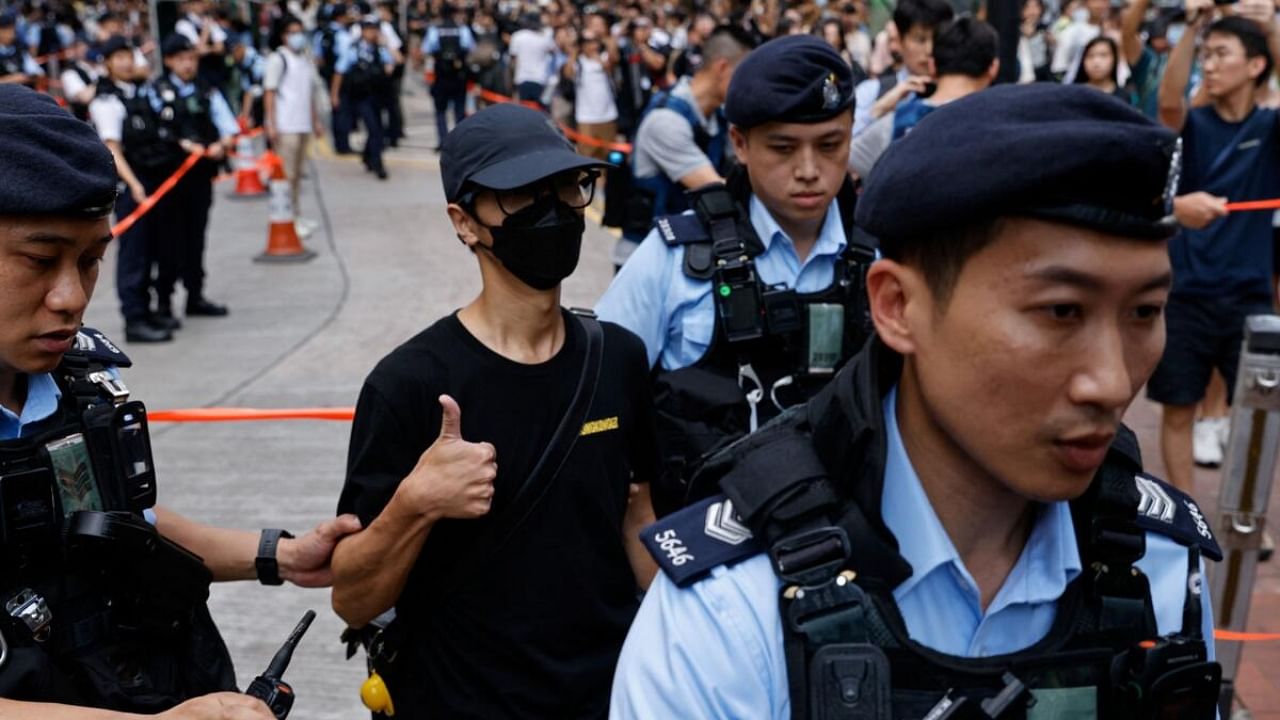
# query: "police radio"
(270, 687)
(738, 299)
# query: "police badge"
(830, 93)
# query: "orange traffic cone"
(248, 181)
(283, 244)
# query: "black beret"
(7, 19)
(50, 162)
(797, 79)
(1067, 153)
(174, 44)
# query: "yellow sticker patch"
(598, 426)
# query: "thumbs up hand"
(453, 478)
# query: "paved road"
(307, 335)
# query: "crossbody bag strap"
(566, 436)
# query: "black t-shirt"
(533, 629)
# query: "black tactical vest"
(192, 115)
(760, 360)
(150, 137)
(97, 608)
(450, 60)
(807, 488)
(11, 60)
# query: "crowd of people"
(842, 437)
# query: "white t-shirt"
(594, 102)
(292, 77)
(532, 50)
(107, 113)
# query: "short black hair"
(965, 46)
(931, 14)
(1252, 37)
(941, 255)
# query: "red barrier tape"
(1254, 205)
(1233, 636)
(145, 206)
(238, 414)
(493, 97)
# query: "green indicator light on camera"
(725, 290)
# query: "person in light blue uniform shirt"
(57, 190)
(361, 77)
(16, 65)
(431, 43)
(790, 204)
(448, 43)
(674, 314)
(964, 484)
(205, 124)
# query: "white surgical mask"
(296, 41)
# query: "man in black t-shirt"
(510, 601)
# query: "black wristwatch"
(268, 568)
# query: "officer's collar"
(831, 238)
(43, 396)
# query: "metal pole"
(157, 61)
(1247, 473)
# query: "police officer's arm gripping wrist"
(232, 554)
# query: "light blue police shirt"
(341, 41)
(431, 43)
(715, 650)
(674, 314)
(43, 396)
(351, 55)
(219, 111)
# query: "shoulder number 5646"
(673, 547)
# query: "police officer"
(361, 75)
(204, 124)
(331, 43)
(682, 140)
(750, 302)
(145, 148)
(16, 66)
(448, 42)
(103, 601)
(959, 521)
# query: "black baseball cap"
(113, 45)
(504, 147)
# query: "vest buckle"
(32, 611)
(810, 557)
(114, 387)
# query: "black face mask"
(540, 244)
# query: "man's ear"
(897, 293)
(465, 226)
(1256, 66)
(739, 138)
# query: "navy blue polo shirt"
(1232, 257)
